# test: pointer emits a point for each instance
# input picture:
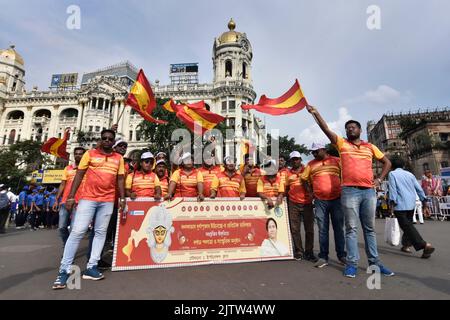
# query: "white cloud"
(315, 134)
(383, 95)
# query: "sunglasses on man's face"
(107, 139)
(147, 161)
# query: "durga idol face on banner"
(159, 233)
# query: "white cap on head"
(147, 155)
(317, 146)
(228, 160)
(161, 154)
(119, 142)
(161, 161)
(185, 156)
(295, 154)
(270, 167)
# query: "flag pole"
(121, 114)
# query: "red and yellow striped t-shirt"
(251, 182)
(208, 177)
(284, 173)
(164, 183)
(186, 184)
(68, 176)
(101, 175)
(325, 177)
(356, 162)
(228, 187)
(143, 184)
(297, 192)
(270, 188)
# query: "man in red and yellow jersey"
(251, 175)
(162, 174)
(228, 184)
(283, 170)
(186, 182)
(300, 206)
(358, 198)
(209, 172)
(271, 185)
(144, 182)
(63, 194)
(324, 174)
(104, 169)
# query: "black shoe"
(298, 256)
(103, 265)
(342, 261)
(310, 257)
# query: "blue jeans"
(324, 210)
(85, 214)
(359, 204)
(63, 224)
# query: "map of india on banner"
(185, 232)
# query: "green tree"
(286, 146)
(159, 135)
(19, 160)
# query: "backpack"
(4, 201)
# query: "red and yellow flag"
(171, 106)
(291, 102)
(195, 113)
(57, 147)
(142, 99)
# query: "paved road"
(29, 261)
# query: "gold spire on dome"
(231, 25)
(230, 36)
(12, 54)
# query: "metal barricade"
(439, 207)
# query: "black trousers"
(411, 237)
(21, 216)
(3, 218)
(296, 212)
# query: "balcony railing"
(41, 120)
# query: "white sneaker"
(321, 263)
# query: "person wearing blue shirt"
(47, 216)
(30, 199)
(53, 220)
(38, 210)
(21, 216)
(403, 187)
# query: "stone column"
(27, 123)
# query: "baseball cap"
(147, 155)
(317, 146)
(161, 161)
(119, 142)
(295, 154)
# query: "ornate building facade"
(97, 103)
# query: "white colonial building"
(97, 103)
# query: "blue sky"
(345, 69)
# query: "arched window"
(228, 68)
(16, 115)
(244, 70)
(207, 106)
(69, 113)
(43, 113)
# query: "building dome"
(12, 54)
(230, 36)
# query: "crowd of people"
(328, 189)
